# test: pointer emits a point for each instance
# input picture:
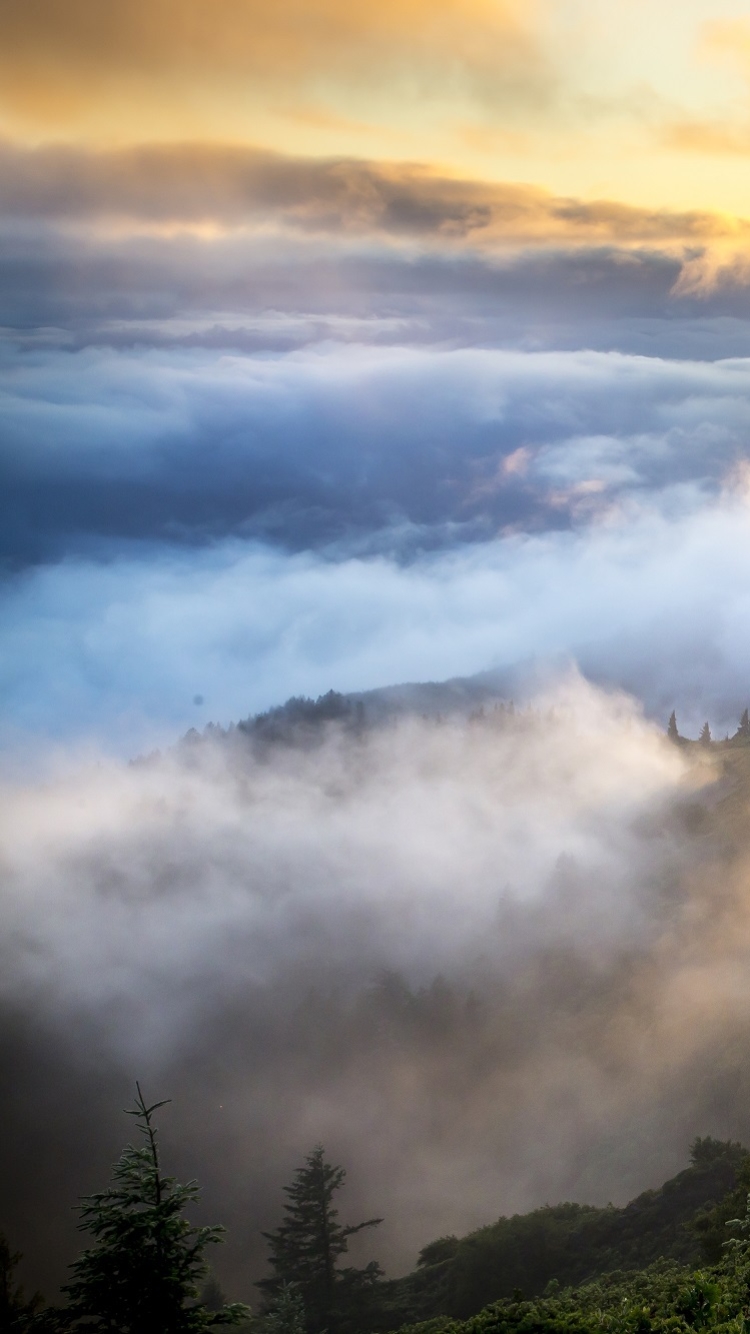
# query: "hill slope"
(570, 1243)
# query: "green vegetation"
(673, 1260)
(665, 1298)
(684, 1221)
(142, 1274)
(669, 1295)
(304, 1254)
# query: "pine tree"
(744, 727)
(672, 732)
(307, 1245)
(143, 1272)
(705, 736)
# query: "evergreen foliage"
(665, 1298)
(285, 1313)
(306, 1247)
(142, 1274)
(571, 1243)
(672, 732)
(705, 736)
(16, 1310)
(302, 721)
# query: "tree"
(744, 728)
(705, 736)
(16, 1310)
(672, 732)
(306, 1247)
(285, 1314)
(143, 1272)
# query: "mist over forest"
(490, 956)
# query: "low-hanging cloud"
(452, 950)
(119, 650)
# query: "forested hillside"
(683, 1221)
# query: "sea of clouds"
(343, 443)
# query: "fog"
(134, 650)
(486, 960)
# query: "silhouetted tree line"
(740, 737)
(301, 720)
(145, 1270)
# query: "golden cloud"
(707, 136)
(228, 187)
(729, 39)
(57, 55)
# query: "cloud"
(429, 946)
(485, 962)
(117, 651)
(381, 448)
(234, 186)
(728, 40)
(62, 59)
(709, 136)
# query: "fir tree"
(744, 728)
(705, 736)
(672, 732)
(306, 1247)
(143, 1272)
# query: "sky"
(344, 346)
(341, 346)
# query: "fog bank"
(481, 959)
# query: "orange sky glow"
(644, 105)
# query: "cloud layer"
(238, 186)
(120, 649)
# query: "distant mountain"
(302, 721)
